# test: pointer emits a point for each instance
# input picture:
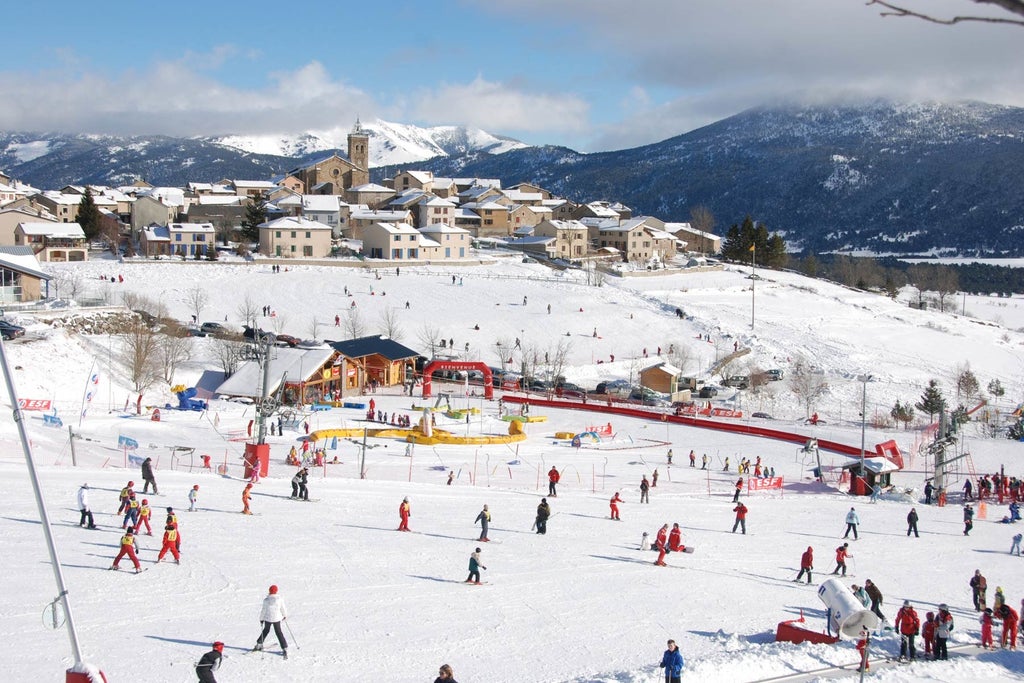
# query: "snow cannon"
(426, 423)
(84, 673)
(847, 615)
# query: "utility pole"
(753, 280)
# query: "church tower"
(359, 149)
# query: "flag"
(752, 247)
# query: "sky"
(588, 75)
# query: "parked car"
(569, 386)
(617, 386)
(194, 332)
(708, 391)
(539, 385)
(774, 375)
(646, 396)
(10, 330)
(737, 381)
(762, 416)
(287, 340)
(213, 328)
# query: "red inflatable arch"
(458, 365)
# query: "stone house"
(335, 175)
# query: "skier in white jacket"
(272, 614)
(83, 506)
(852, 520)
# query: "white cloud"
(499, 107)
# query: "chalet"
(452, 242)
(664, 378)
(184, 240)
(21, 278)
(570, 238)
(376, 359)
(297, 375)
(53, 242)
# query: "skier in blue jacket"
(672, 663)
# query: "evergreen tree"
(995, 387)
(89, 216)
(255, 214)
(902, 412)
(810, 266)
(932, 401)
(967, 384)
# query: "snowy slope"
(579, 604)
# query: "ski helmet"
(218, 646)
(196, 487)
(273, 589)
(145, 501)
(131, 483)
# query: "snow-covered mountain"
(390, 143)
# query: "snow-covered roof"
(171, 196)
(667, 368)
(255, 184)
(442, 229)
(466, 214)
(293, 223)
(602, 211)
(157, 233)
(421, 176)
(438, 201)
(291, 365)
(398, 228)
(218, 200)
(370, 187)
(389, 216)
(53, 230)
(22, 259)
(321, 202)
(424, 241)
(521, 197)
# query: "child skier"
(806, 564)
(614, 505)
(131, 511)
(272, 614)
(986, 628)
(170, 540)
(741, 516)
(675, 539)
(193, 498)
(404, 512)
(209, 663)
(660, 544)
(485, 519)
(123, 497)
(842, 552)
(474, 568)
(144, 515)
(928, 633)
(246, 495)
(127, 548)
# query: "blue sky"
(588, 74)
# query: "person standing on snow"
(842, 552)
(741, 517)
(485, 519)
(131, 512)
(127, 548)
(147, 476)
(928, 633)
(193, 498)
(246, 496)
(614, 505)
(852, 521)
(553, 478)
(144, 515)
(303, 477)
(170, 541)
(543, 512)
(654, 478)
(474, 568)
(943, 627)
(123, 497)
(660, 544)
(968, 519)
(806, 565)
(908, 625)
(739, 487)
(273, 613)
(83, 507)
(404, 513)
(986, 628)
(1010, 621)
(693, 459)
(928, 490)
(876, 598)
(912, 522)
(209, 663)
(645, 490)
(978, 586)
(672, 662)
(858, 592)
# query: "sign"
(764, 483)
(34, 403)
(127, 442)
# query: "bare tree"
(230, 355)
(558, 357)
(353, 324)
(314, 327)
(139, 355)
(891, 9)
(429, 335)
(702, 219)
(946, 284)
(197, 298)
(389, 323)
(279, 321)
(172, 351)
(503, 349)
(807, 384)
(130, 300)
(681, 355)
(70, 284)
(248, 311)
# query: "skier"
(209, 663)
(246, 496)
(704, 461)
(739, 487)
(172, 520)
(1010, 621)
(943, 627)
(127, 548)
(669, 456)
(842, 552)
(852, 520)
(144, 514)
(876, 598)
(485, 519)
(693, 459)
(654, 478)
(968, 490)
(908, 625)
(474, 568)
(553, 477)
(806, 565)
(928, 490)
(862, 647)
(978, 586)
(131, 512)
(660, 545)
(675, 539)
(672, 662)
(170, 540)
(303, 477)
(446, 673)
(193, 498)
(928, 633)
(614, 505)
(147, 476)
(83, 507)
(645, 490)
(725, 468)
(273, 613)
(123, 497)
(911, 522)
(999, 600)
(543, 512)
(404, 513)
(741, 518)
(968, 519)
(986, 628)
(1015, 548)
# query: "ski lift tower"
(945, 439)
(257, 455)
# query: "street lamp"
(864, 379)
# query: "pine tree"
(902, 412)
(932, 401)
(995, 387)
(255, 214)
(967, 384)
(89, 216)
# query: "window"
(277, 234)
(447, 252)
(177, 237)
(294, 233)
(308, 234)
(292, 248)
(307, 250)
(488, 221)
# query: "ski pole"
(288, 626)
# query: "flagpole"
(753, 281)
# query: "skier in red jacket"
(806, 564)
(614, 504)
(404, 512)
(908, 625)
(170, 541)
(675, 539)
(127, 548)
(842, 553)
(553, 478)
(660, 545)
(1010, 620)
(741, 518)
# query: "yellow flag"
(751, 247)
